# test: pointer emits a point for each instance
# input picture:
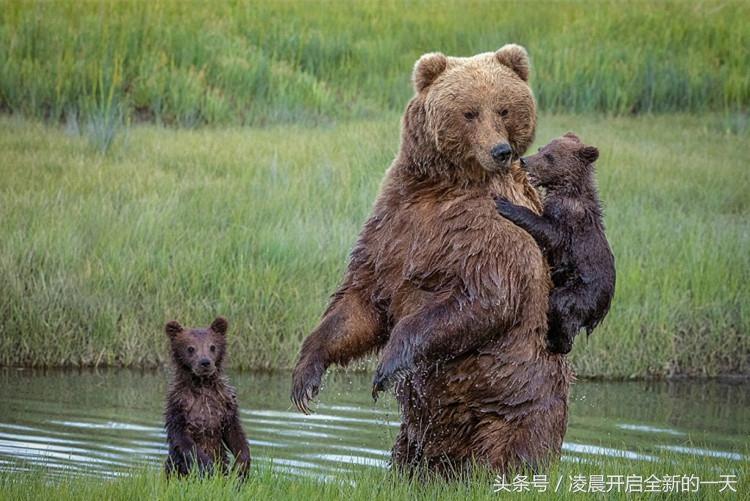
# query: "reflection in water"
(107, 422)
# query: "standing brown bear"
(452, 295)
(202, 418)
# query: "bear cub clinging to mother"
(202, 418)
(570, 232)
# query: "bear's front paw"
(306, 385)
(204, 462)
(242, 466)
(388, 370)
(380, 382)
(504, 206)
(559, 344)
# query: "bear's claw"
(377, 387)
(306, 385)
(302, 395)
(379, 382)
(394, 364)
(383, 378)
(302, 399)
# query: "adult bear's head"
(472, 114)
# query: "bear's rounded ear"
(516, 58)
(172, 328)
(571, 135)
(220, 325)
(589, 154)
(427, 69)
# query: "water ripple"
(107, 423)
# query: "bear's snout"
(501, 153)
(203, 367)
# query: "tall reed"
(192, 63)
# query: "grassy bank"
(378, 484)
(97, 251)
(190, 63)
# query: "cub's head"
(200, 351)
(479, 111)
(564, 162)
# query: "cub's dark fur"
(570, 232)
(202, 419)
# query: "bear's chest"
(435, 246)
(206, 411)
(436, 235)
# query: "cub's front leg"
(541, 230)
(235, 440)
(184, 453)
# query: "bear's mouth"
(505, 167)
(495, 167)
(528, 168)
(535, 181)
(204, 372)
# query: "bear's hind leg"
(527, 444)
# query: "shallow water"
(108, 421)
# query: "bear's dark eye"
(503, 113)
(191, 350)
(471, 115)
(548, 157)
(213, 348)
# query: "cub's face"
(200, 351)
(480, 110)
(565, 161)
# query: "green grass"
(375, 484)
(98, 251)
(189, 62)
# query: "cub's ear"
(516, 58)
(172, 328)
(589, 154)
(427, 69)
(571, 135)
(220, 325)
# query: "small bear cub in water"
(570, 233)
(202, 418)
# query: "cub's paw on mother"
(504, 206)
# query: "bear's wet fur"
(201, 418)
(452, 295)
(570, 232)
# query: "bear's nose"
(205, 362)
(501, 152)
